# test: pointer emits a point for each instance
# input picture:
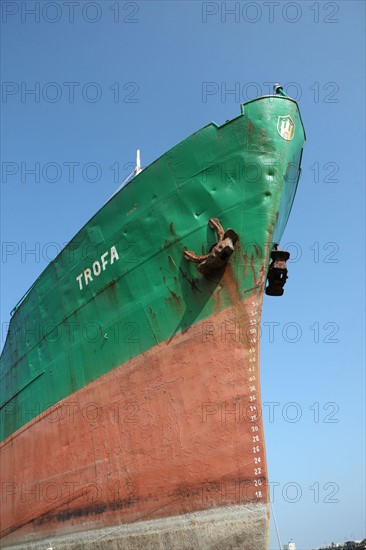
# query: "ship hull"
(130, 410)
(167, 449)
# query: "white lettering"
(78, 278)
(114, 254)
(103, 260)
(98, 266)
(87, 275)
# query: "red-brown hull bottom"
(173, 439)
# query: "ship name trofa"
(89, 273)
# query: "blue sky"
(110, 77)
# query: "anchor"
(219, 253)
(277, 272)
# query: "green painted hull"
(122, 285)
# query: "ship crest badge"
(286, 127)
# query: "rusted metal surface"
(166, 434)
(220, 252)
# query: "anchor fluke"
(220, 252)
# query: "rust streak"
(192, 282)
